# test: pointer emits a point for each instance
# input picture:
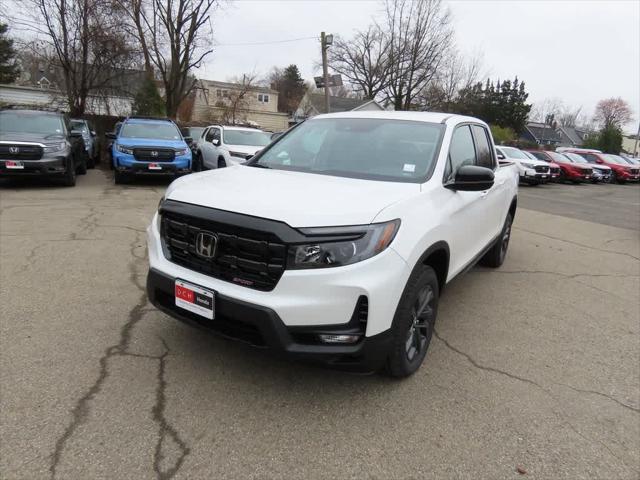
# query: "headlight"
(526, 165)
(239, 155)
(122, 149)
(364, 242)
(55, 147)
(181, 152)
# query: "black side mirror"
(500, 156)
(110, 136)
(215, 141)
(471, 178)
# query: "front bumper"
(128, 164)
(261, 327)
(43, 167)
(529, 175)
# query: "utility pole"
(635, 147)
(325, 41)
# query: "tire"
(69, 178)
(91, 162)
(120, 178)
(82, 168)
(197, 163)
(221, 162)
(414, 322)
(494, 258)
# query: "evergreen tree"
(8, 67)
(291, 88)
(148, 101)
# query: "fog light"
(339, 338)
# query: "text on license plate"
(195, 299)
(155, 166)
(14, 165)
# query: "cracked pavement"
(535, 366)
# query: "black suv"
(40, 143)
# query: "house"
(631, 144)
(572, 136)
(226, 102)
(541, 133)
(312, 104)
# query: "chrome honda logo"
(206, 244)
(14, 150)
(154, 153)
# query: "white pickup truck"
(334, 243)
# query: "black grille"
(252, 259)
(24, 152)
(542, 168)
(154, 154)
(635, 171)
(555, 170)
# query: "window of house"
(218, 93)
(263, 98)
(225, 93)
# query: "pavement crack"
(604, 395)
(167, 431)
(577, 243)
(82, 407)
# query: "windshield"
(559, 157)
(511, 152)
(383, 149)
(21, 122)
(575, 158)
(195, 132)
(249, 138)
(79, 125)
(615, 159)
(155, 131)
(529, 155)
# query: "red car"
(569, 170)
(621, 170)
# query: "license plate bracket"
(14, 165)
(195, 299)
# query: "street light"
(325, 41)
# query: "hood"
(529, 161)
(248, 149)
(150, 142)
(298, 199)
(600, 166)
(30, 137)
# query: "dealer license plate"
(14, 165)
(195, 299)
(154, 166)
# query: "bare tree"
(174, 37)
(84, 40)
(541, 111)
(238, 98)
(419, 36)
(570, 116)
(362, 61)
(613, 112)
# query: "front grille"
(635, 171)
(154, 154)
(555, 170)
(253, 259)
(542, 168)
(24, 152)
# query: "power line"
(263, 43)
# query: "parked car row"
(570, 165)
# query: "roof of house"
(235, 86)
(574, 134)
(543, 133)
(336, 104)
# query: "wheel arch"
(437, 257)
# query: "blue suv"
(149, 146)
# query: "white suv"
(222, 146)
(531, 171)
(334, 243)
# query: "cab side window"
(209, 135)
(462, 152)
(216, 134)
(484, 158)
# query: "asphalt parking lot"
(536, 366)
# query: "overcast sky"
(578, 51)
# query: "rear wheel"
(495, 257)
(82, 168)
(414, 322)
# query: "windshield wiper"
(258, 165)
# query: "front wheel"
(414, 322)
(69, 178)
(221, 163)
(495, 257)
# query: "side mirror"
(188, 140)
(76, 133)
(501, 157)
(215, 141)
(93, 133)
(471, 178)
(110, 136)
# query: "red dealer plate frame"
(14, 165)
(195, 299)
(154, 166)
